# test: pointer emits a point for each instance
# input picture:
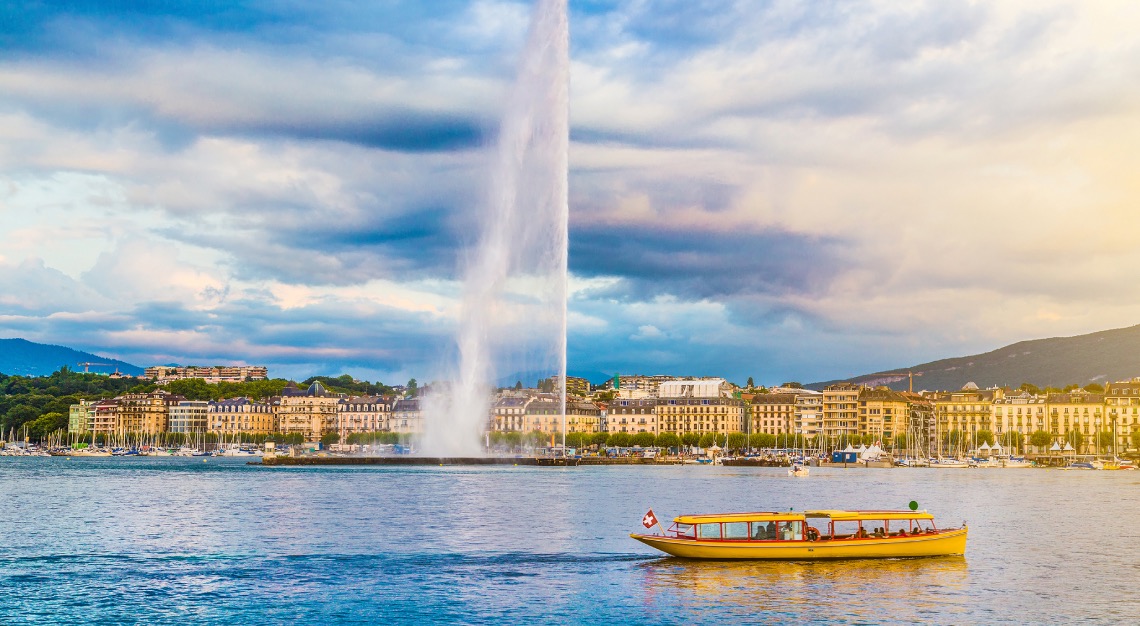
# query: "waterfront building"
(582, 416)
(543, 414)
(808, 420)
(1076, 411)
(840, 411)
(146, 412)
(688, 414)
(362, 414)
(1122, 406)
(632, 416)
(216, 374)
(883, 413)
(242, 415)
(105, 417)
(966, 411)
(507, 413)
(189, 416)
(310, 413)
(1022, 413)
(921, 423)
(773, 413)
(407, 417)
(81, 417)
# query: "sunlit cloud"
(782, 190)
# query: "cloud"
(757, 188)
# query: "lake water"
(172, 540)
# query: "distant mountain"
(23, 357)
(1109, 355)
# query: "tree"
(668, 440)
(792, 385)
(736, 441)
(46, 424)
(1012, 439)
(691, 439)
(645, 440)
(599, 439)
(1075, 438)
(750, 383)
(1030, 388)
(518, 385)
(413, 389)
(1136, 438)
(900, 441)
(707, 440)
(330, 438)
(1104, 441)
(984, 436)
(619, 440)
(575, 440)
(1040, 439)
(1094, 388)
(512, 439)
(537, 438)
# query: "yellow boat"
(808, 536)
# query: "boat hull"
(945, 543)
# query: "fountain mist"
(514, 298)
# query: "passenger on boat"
(770, 531)
(902, 532)
(862, 534)
(878, 531)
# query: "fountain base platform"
(410, 460)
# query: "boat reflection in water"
(909, 590)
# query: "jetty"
(412, 460)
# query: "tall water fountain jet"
(515, 289)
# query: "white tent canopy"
(1056, 447)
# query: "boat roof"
(869, 515)
(836, 515)
(760, 516)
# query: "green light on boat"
(913, 505)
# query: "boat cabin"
(807, 526)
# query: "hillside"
(26, 358)
(1109, 355)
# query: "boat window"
(924, 526)
(791, 531)
(736, 530)
(763, 530)
(686, 530)
(846, 530)
(708, 531)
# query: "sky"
(781, 190)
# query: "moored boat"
(809, 535)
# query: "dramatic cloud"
(777, 189)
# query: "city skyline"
(778, 191)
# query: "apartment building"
(840, 410)
(632, 416)
(242, 415)
(190, 416)
(310, 413)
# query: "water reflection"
(915, 589)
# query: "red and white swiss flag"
(650, 520)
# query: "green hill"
(20, 357)
(1109, 355)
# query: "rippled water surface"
(177, 540)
